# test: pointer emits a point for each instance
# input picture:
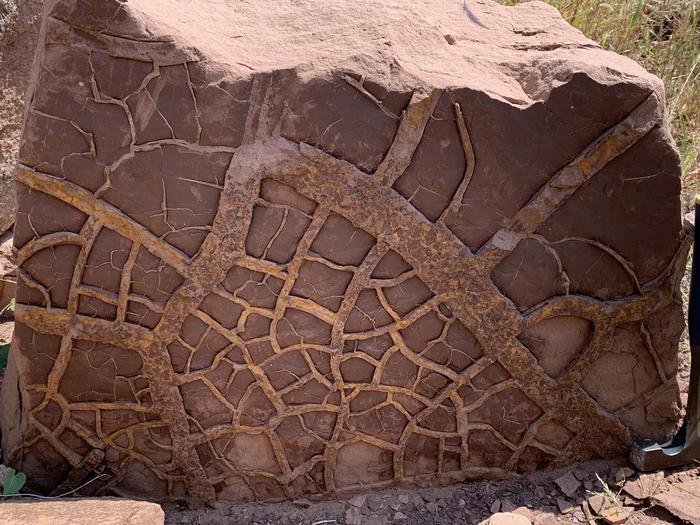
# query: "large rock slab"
(82, 511)
(682, 500)
(268, 252)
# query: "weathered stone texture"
(19, 31)
(274, 251)
(82, 511)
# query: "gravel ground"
(539, 497)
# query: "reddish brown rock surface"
(268, 252)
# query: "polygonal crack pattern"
(217, 301)
(323, 346)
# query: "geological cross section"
(326, 246)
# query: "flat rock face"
(270, 252)
(82, 511)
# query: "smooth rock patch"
(81, 511)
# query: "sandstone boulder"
(81, 511)
(266, 251)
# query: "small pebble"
(358, 501)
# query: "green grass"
(663, 36)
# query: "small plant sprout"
(13, 482)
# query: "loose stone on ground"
(682, 500)
(81, 511)
(568, 484)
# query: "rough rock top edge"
(517, 54)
